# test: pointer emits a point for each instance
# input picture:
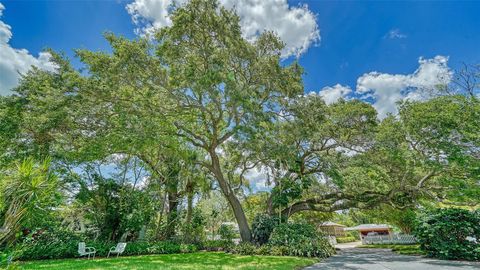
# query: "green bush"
(194, 232)
(450, 234)
(262, 228)
(346, 239)
(226, 232)
(245, 248)
(301, 240)
(61, 244)
(353, 234)
(48, 245)
(263, 250)
(278, 250)
(217, 245)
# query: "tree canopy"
(188, 114)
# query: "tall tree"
(224, 87)
(35, 118)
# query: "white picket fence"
(389, 239)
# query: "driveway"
(384, 259)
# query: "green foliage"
(226, 232)
(27, 194)
(194, 232)
(262, 228)
(114, 208)
(289, 233)
(63, 244)
(48, 244)
(450, 234)
(217, 245)
(216, 99)
(301, 240)
(346, 239)
(39, 113)
(197, 89)
(353, 234)
(245, 248)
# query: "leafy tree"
(34, 120)
(117, 209)
(306, 151)
(224, 87)
(125, 112)
(335, 157)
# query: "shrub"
(263, 250)
(262, 228)
(61, 244)
(290, 233)
(48, 245)
(346, 239)
(217, 245)
(244, 248)
(353, 234)
(226, 232)
(300, 240)
(278, 250)
(194, 232)
(450, 234)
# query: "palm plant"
(28, 191)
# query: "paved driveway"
(384, 259)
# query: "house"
(333, 229)
(371, 229)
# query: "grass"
(400, 249)
(191, 261)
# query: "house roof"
(369, 227)
(329, 223)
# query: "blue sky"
(356, 37)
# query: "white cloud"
(333, 93)
(14, 62)
(395, 34)
(296, 26)
(386, 89)
(257, 178)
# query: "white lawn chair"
(86, 251)
(119, 249)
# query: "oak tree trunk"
(235, 204)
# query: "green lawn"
(194, 261)
(400, 249)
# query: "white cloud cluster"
(257, 178)
(14, 62)
(387, 89)
(331, 94)
(296, 26)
